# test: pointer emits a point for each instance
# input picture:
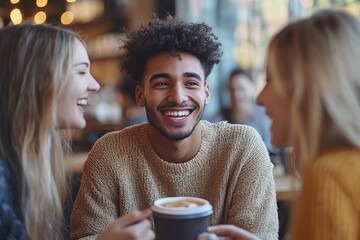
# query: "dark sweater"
(11, 223)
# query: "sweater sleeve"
(11, 223)
(253, 204)
(95, 205)
(325, 210)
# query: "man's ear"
(207, 93)
(139, 96)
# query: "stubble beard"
(172, 137)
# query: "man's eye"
(192, 83)
(160, 84)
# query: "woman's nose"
(94, 86)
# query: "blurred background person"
(243, 108)
(125, 96)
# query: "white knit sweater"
(231, 170)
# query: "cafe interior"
(244, 28)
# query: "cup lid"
(159, 207)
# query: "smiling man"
(176, 153)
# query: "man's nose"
(178, 94)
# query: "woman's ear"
(139, 95)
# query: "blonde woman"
(312, 95)
(44, 86)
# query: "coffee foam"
(186, 203)
(182, 206)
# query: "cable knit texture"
(11, 223)
(231, 170)
(329, 204)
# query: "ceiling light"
(16, 16)
(40, 17)
(67, 18)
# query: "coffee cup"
(180, 218)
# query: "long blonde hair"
(315, 63)
(34, 63)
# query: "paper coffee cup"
(180, 218)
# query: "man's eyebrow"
(159, 75)
(81, 63)
(192, 74)
(167, 76)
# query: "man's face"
(174, 94)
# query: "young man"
(176, 153)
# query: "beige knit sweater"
(232, 171)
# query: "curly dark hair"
(169, 35)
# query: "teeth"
(177, 113)
(82, 102)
